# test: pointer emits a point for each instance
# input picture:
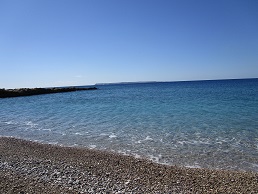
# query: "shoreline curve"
(33, 167)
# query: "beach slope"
(29, 167)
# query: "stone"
(7, 93)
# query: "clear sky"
(47, 43)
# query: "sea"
(197, 124)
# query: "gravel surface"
(29, 167)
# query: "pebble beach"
(30, 167)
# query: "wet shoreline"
(33, 167)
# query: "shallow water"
(210, 124)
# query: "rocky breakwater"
(7, 93)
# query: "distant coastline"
(151, 82)
(117, 83)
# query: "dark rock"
(37, 91)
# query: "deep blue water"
(210, 124)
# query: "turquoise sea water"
(210, 124)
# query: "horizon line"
(143, 82)
(136, 82)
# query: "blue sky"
(47, 43)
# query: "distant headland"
(118, 83)
(176, 81)
(7, 93)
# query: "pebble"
(55, 169)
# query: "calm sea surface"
(210, 124)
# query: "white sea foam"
(137, 156)
(9, 122)
(112, 136)
(181, 142)
(53, 143)
(155, 158)
(193, 142)
(122, 152)
(31, 124)
(255, 165)
(39, 141)
(92, 146)
(201, 142)
(148, 138)
(7, 136)
(46, 129)
(193, 166)
(77, 133)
